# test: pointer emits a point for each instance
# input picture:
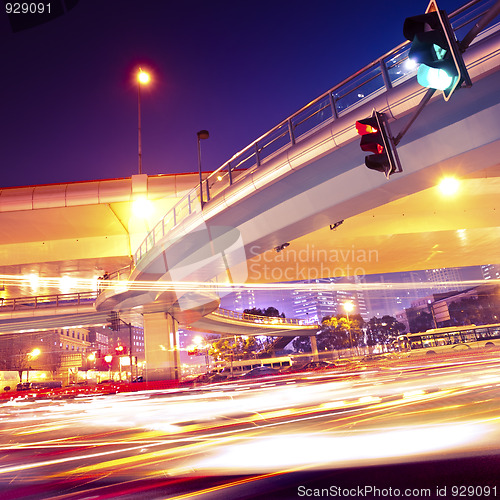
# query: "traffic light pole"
(116, 321)
(421, 106)
(493, 12)
(130, 352)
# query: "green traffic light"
(434, 46)
(434, 78)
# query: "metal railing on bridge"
(44, 301)
(262, 320)
(381, 75)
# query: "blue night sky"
(69, 97)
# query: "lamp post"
(202, 134)
(31, 356)
(90, 360)
(349, 307)
(109, 359)
(143, 78)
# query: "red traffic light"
(366, 127)
(372, 139)
(120, 349)
(377, 139)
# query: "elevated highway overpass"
(307, 175)
(287, 189)
(47, 312)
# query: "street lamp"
(31, 356)
(108, 358)
(349, 307)
(202, 134)
(143, 78)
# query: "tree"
(302, 344)
(236, 347)
(480, 310)
(420, 321)
(338, 332)
(269, 311)
(382, 331)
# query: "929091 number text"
(27, 8)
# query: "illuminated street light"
(143, 78)
(108, 358)
(448, 186)
(34, 353)
(31, 356)
(142, 208)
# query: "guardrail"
(381, 75)
(266, 320)
(42, 301)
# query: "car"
(260, 371)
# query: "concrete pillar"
(314, 348)
(161, 347)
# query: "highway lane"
(242, 438)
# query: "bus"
(450, 339)
(242, 366)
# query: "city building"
(60, 353)
(491, 271)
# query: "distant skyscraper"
(491, 271)
(239, 301)
(313, 305)
(440, 279)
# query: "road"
(418, 429)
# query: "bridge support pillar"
(161, 346)
(314, 348)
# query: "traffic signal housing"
(114, 321)
(435, 48)
(120, 350)
(376, 138)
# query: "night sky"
(235, 68)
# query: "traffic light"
(114, 320)
(376, 138)
(435, 48)
(120, 350)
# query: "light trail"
(84, 284)
(264, 430)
